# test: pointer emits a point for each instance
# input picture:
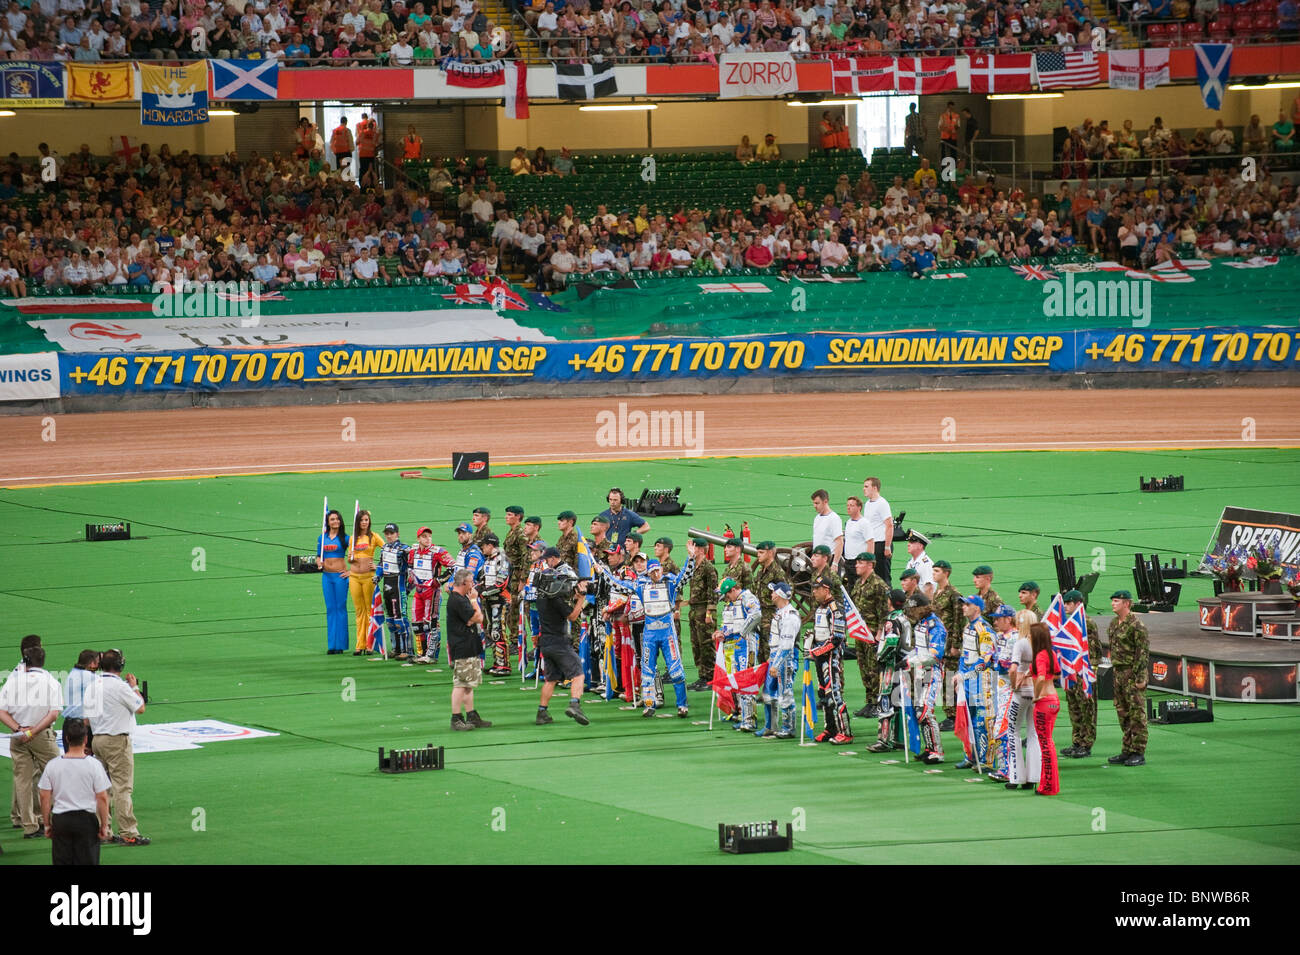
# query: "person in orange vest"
(305, 133)
(949, 124)
(412, 145)
(367, 147)
(341, 144)
(842, 134)
(828, 132)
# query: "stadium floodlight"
(7, 112)
(825, 102)
(1005, 96)
(222, 112)
(618, 108)
(1239, 87)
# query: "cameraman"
(560, 601)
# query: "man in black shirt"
(464, 644)
(559, 605)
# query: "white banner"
(428, 327)
(170, 737)
(28, 377)
(1138, 69)
(756, 74)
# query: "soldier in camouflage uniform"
(567, 545)
(598, 542)
(1129, 643)
(480, 519)
(983, 580)
(1083, 708)
(947, 607)
(516, 550)
(820, 560)
(1029, 592)
(766, 573)
(733, 555)
(871, 597)
(704, 605)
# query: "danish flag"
(922, 75)
(1003, 73)
(867, 74)
(727, 685)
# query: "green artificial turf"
(242, 641)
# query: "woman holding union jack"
(1046, 706)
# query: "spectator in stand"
(769, 150)
(1283, 133)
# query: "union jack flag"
(375, 633)
(854, 625)
(1033, 273)
(1070, 643)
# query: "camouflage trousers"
(702, 639)
(764, 632)
(949, 693)
(1131, 706)
(1083, 715)
(869, 672)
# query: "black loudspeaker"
(469, 466)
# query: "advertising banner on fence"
(648, 360)
(28, 377)
(1241, 528)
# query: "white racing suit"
(493, 575)
(891, 658)
(975, 673)
(740, 620)
(925, 662)
(782, 664)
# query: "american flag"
(1057, 69)
(1070, 643)
(854, 625)
(1033, 273)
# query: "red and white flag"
(1255, 262)
(714, 287)
(476, 75)
(1138, 69)
(1003, 73)
(923, 75)
(516, 90)
(865, 74)
(1182, 265)
(1033, 273)
(746, 682)
(946, 275)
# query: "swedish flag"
(809, 702)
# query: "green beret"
(566, 516)
(1072, 596)
(943, 565)
(981, 570)
(1031, 585)
(1121, 595)
(666, 541)
(822, 549)
(634, 536)
(533, 520)
(515, 509)
(910, 572)
(766, 545)
(699, 542)
(866, 555)
(482, 510)
(600, 519)
(733, 542)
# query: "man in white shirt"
(74, 800)
(919, 561)
(365, 268)
(828, 529)
(855, 536)
(880, 527)
(30, 702)
(113, 721)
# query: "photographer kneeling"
(559, 603)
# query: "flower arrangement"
(1264, 557)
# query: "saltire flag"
(923, 75)
(375, 633)
(1033, 273)
(1056, 70)
(475, 75)
(1213, 67)
(1001, 73)
(727, 686)
(245, 79)
(516, 89)
(174, 95)
(1070, 643)
(1254, 262)
(100, 82)
(809, 702)
(716, 287)
(911, 728)
(854, 625)
(864, 74)
(585, 81)
(1143, 69)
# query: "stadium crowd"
(148, 217)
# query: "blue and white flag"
(245, 79)
(1213, 67)
(174, 95)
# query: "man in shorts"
(559, 604)
(464, 644)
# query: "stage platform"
(1188, 660)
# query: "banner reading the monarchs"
(756, 74)
(100, 82)
(174, 95)
(30, 84)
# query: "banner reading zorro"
(1243, 527)
(31, 84)
(174, 95)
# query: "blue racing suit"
(659, 634)
(740, 620)
(925, 660)
(782, 664)
(975, 674)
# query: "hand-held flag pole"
(352, 544)
(324, 528)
